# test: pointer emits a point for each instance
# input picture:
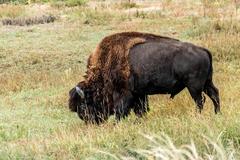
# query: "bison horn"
(80, 92)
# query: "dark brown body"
(158, 66)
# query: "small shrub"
(28, 21)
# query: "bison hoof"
(217, 111)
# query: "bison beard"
(111, 86)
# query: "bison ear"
(80, 92)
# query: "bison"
(127, 67)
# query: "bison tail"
(210, 73)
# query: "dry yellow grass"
(11, 11)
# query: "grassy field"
(40, 63)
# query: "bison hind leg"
(213, 93)
(198, 97)
(195, 87)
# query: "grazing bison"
(127, 67)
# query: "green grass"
(68, 3)
(40, 63)
(127, 5)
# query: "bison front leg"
(122, 104)
(141, 105)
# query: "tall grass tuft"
(163, 148)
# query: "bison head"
(81, 101)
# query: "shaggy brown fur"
(108, 69)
